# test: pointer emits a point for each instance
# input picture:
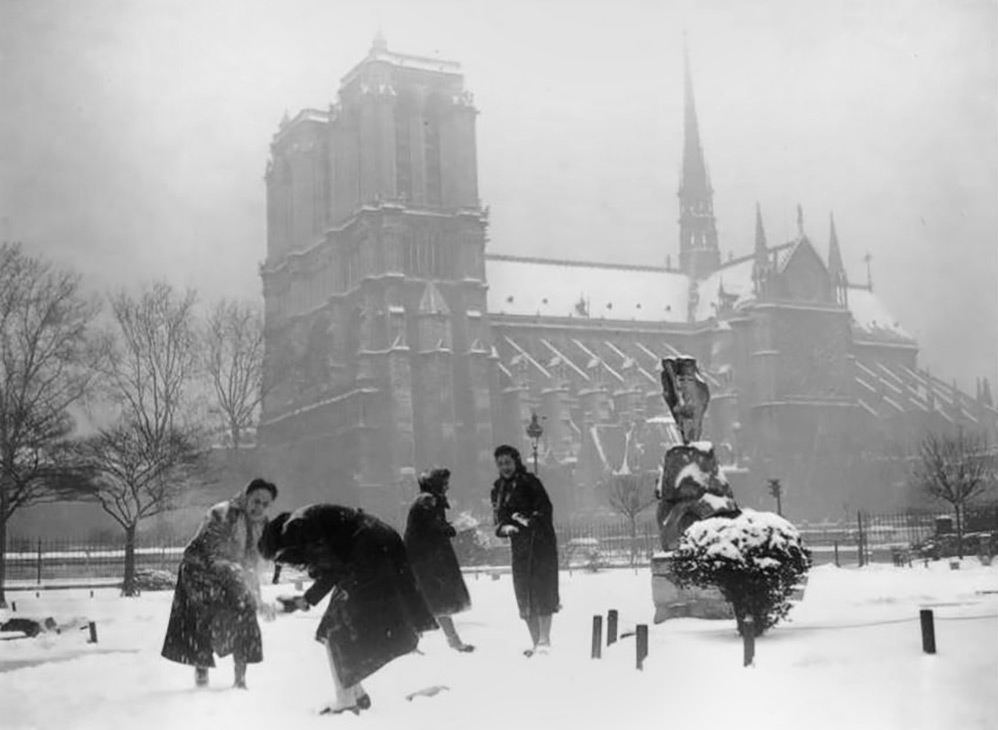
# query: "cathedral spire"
(836, 271)
(762, 265)
(699, 254)
(695, 181)
(760, 234)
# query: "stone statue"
(692, 487)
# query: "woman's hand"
(517, 517)
(508, 530)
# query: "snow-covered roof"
(529, 286)
(871, 320)
(736, 280)
(405, 60)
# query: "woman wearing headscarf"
(428, 544)
(218, 587)
(523, 513)
(375, 613)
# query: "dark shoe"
(200, 676)
(364, 702)
(339, 710)
(465, 648)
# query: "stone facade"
(394, 342)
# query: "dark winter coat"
(428, 545)
(376, 612)
(534, 546)
(218, 590)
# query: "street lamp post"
(776, 489)
(534, 433)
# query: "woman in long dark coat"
(428, 545)
(523, 513)
(375, 613)
(218, 588)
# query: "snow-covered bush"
(754, 560)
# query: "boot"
(200, 676)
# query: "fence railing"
(582, 545)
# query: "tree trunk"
(958, 508)
(634, 539)
(128, 584)
(3, 548)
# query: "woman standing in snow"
(523, 513)
(375, 613)
(428, 545)
(218, 587)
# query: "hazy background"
(134, 135)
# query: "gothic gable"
(803, 275)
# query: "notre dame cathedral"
(395, 340)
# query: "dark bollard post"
(13, 606)
(641, 644)
(91, 594)
(928, 632)
(93, 632)
(748, 640)
(39, 564)
(597, 637)
(837, 565)
(611, 626)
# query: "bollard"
(748, 641)
(837, 565)
(37, 594)
(13, 606)
(641, 645)
(91, 594)
(928, 631)
(611, 626)
(39, 564)
(597, 637)
(93, 632)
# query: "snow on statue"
(715, 563)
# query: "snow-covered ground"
(850, 658)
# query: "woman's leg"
(240, 671)
(533, 625)
(447, 625)
(544, 629)
(348, 699)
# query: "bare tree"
(48, 355)
(233, 363)
(953, 469)
(134, 478)
(148, 457)
(629, 495)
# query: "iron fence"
(583, 544)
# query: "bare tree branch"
(954, 469)
(233, 364)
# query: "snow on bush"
(754, 560)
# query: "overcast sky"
(134, 134)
